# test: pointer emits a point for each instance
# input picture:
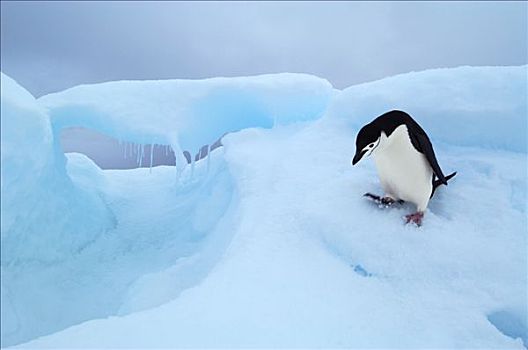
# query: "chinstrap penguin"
(405, 160)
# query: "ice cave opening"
(108, 152)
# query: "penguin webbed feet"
(383, 201)
(415, 218)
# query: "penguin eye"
(369, 146)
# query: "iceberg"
(267, 241)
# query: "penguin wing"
(422, 143)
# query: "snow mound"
(36, 190)
(45, 218)
(467, 106)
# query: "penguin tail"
(439, 182)
(450, 176)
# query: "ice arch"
(188, 114)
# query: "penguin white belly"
(404, 172)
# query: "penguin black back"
(389, 121)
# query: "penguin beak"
(358, 157)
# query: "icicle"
(141, 150)
(151, 156)
(126, 143)
(181, 163)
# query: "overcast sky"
(49, 46)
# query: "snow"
(268, 242)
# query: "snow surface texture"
(268, 241)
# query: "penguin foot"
(415, 218)
(383, 201)
(374, 197)
(388, 201)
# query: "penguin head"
(367, 140)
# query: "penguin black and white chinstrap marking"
(405, 160)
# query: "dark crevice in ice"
(510, 324)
